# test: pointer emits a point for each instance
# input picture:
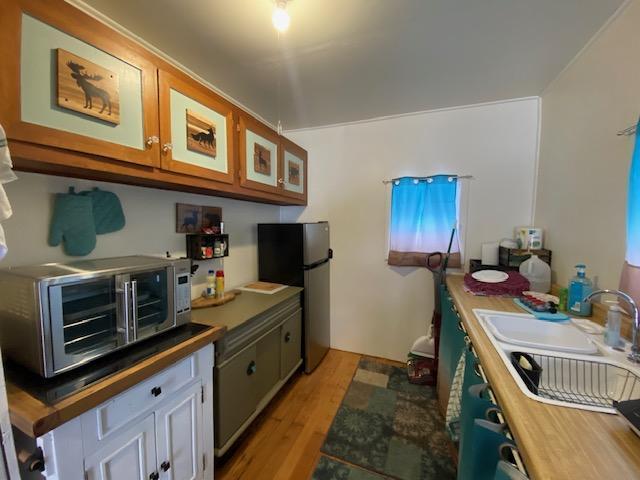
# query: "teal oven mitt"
(72, 222)
(108, 216)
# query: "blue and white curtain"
(630, 280)
(423, 213)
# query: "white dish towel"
(6, 176)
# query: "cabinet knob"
(151, 140)
(281, 181)
(165, 465)
(167, 147)
(154, 476)
(156, 391)
(251, 369)
(287, 337)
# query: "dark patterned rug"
(387, 425)
(331, 469)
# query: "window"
(630, 280)
(423, 213)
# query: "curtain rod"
(461, 177)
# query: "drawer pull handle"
(165, 465)
(154, 476)
(287, 337)
(251, 369)
(156, 391)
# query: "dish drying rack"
(578, 381)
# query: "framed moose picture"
(87, 88)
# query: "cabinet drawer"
(100, 423)
(290, 344)
(235, 393)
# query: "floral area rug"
(388, 426)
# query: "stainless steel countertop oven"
(56, 317)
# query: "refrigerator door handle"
(316, 264)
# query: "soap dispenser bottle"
(579, 287)
(614, 320)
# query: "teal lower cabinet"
(254, 361)
(451, 344)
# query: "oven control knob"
(156, 391)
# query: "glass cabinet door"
(84, 321)
(150, 293)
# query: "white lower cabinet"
(167, 435)
(129, 456)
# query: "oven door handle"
(134, 308)
(124, 299)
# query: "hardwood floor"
(284, 442)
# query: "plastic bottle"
(579, 287)
(220, 284)
(614, 320)
(538, 273)
(211, 284)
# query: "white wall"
(582, 188)
(377, 309)
(150, 227)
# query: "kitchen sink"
(565, 365)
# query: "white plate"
(490, 276)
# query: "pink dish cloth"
(511, 287)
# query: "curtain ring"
(396, 182)
(416, 181)
(429, 180)
(450, 179)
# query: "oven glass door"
(152, 302)
(85, 321)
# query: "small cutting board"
(206, 302)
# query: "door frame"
(199, 93)
(74, 22)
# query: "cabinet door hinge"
(204, 462)
(202, 394)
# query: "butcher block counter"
(37, 406)
(555, 442)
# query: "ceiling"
(351, 60)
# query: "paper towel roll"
(490, 253)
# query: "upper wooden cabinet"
(270, 162)
(293, 165)
(69, 81)
(196, 129)
(79, 99)
(259, 148)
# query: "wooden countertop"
(36, 418)
(246, 306)
(555, 442)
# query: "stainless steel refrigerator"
(298, 254)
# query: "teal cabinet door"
(196, 129)
(76, 84)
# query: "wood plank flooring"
(284, 442)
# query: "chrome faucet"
(634, 356)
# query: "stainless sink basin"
(576, 370)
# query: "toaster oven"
(56, 317)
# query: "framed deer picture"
(201, 134)
(87, 88)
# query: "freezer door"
(316, 242)
(316, 315)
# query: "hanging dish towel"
(6, 172)
(72, 222)
(6, 176)
(107, 211)
(452, 417)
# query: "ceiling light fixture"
(280, 17)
